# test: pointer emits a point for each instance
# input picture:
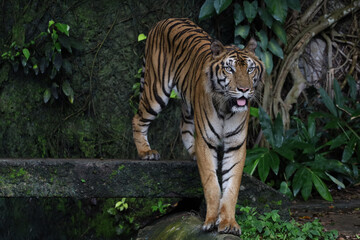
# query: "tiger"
(215, 84)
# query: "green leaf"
(278, 131)
(51, 22)
(65, 42)
(242, 31)
(279, 30)
(338, 141)
(285, 152)
(207, 10)
(278, 9)
(266, 17)
(311, 127)
(254, 112)
(63, 28)
(221, 5)
(23, 61)
(66, 65)
(266, 126)
(298, 180)
(43, 64)
(307, 185)
(47, 95)
(275, 48)
(349, 149)
(274, 162)
(49, 52)
(352, 86)
(141, 37)
(57, 61)
(26, 53)
(71, 97)
(268, 61)
(328, 102)
(250, 169)
(250, 10)
(339, 98)
(67, 88)
(335, 180)
(36, 69)
(239, 14)
(285, 189)
(57, 47)
(263, 39)
(258, 52)
(112, 211)
(173, 94)
(321, 187)
(264, 167)
(294, 4)
(290, 169)
(54, 36)
(54, 90)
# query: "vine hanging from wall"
(46, 56)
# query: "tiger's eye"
(251, 69)
(228, 69)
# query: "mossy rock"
(180, 226)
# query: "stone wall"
(98, 123)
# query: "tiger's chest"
(226, 130)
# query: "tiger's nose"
(241, 89)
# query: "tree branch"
(306, 35)
(314, 8)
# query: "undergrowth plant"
(270, 226)
(304, 158)
(46, 56)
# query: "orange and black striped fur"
(215, 83)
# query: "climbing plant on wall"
(46, 57)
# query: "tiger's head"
(233, 74)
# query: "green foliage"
(47, 56)
(343, 122)
(160, 207)
(302, 156)
(129, 212)
(270, 226)
(248, 16)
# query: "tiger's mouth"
(238, 104)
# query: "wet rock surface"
(180, 226)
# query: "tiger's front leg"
(207, 164)
(232, 170)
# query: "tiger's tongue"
(241, 102)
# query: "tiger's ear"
(216, 48)
(251, 45)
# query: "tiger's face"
(233, 75)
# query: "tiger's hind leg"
(187, 130)
(152, 101)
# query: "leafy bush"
(304, 155)
(46, 55)
(270, 226)
(343, 122)
(249, 15)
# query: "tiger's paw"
(150, 155)
(208, 225)
(229, 227)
